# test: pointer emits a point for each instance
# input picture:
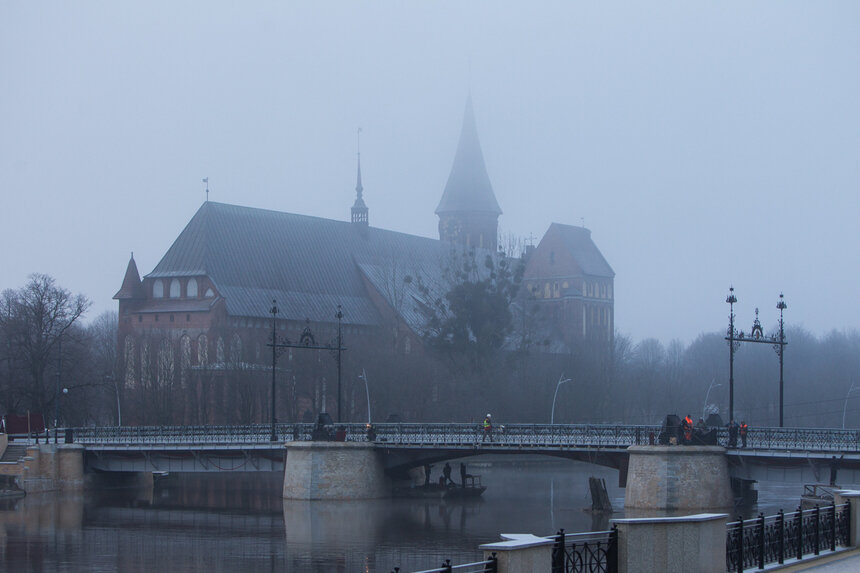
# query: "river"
(238, 522)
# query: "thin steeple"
(359, 209)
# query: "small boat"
(472, 488)
(817, 494)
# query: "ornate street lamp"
(307, 341)
(756, 335)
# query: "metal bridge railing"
(755, 543)
(437, 435)
(592, 552)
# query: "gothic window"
(184, 358)
(202, 351)
(209, 293)
(165, 363)
(407, 345)
(129, 361)
(158, 289)
(144, 363)
(191, 288)
(257, 351)
(175, 289)
(236, 350)
(546, 291)
(219, 351)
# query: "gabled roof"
(308, 264)
(131, 286)
(577, 241)
(468, 189)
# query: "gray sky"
(703, 143)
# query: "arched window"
(236, 350)
(184, 359)
(209, 293)
(219, 351)
(158, 289)
(175, 289)
(546, 292)
(165, 363)
(407, 345)
(202, 351)
(191, 288)
(129, 361)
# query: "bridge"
(778, 454)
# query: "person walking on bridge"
(488, 428)
(743, 430)
(687, 427)
(733, 434)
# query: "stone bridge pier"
(334, 470)
(678, 478)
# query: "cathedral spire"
(359, 209)
(468, 212)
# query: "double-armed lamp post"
(307, 341)
(756, 335)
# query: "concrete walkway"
(842, 562)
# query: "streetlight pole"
(57, 392)
(780, 348)
(705, 407)
(274, 311)
(339, 316)
(561, 380)
(363, 376)
(731, 299)
(845, 404)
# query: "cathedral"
(236, 273)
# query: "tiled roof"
(587, 255)
(308, 264)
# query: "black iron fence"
(592, 552)
(488, 566)
(754, 543)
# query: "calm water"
(190, 523)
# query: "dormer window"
(191, 288)
(158, 289)
(209, 293)
(175, 288)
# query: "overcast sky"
(705, 144)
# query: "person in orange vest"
(488, 428)
(688, 429)
(743, 432)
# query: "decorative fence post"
(558, 553)
(817, 538)
(799, 522)
(740, 544)
(780, 520)
(761, 541)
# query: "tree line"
(478, 355)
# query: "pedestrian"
(687, 426)
(446, 473)
(488, 428)
(834, 467)
(427, 468)
(733, 434)
(743, 431)
(463, 474)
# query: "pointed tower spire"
(132, 287)
(359, 209)
(468, 212)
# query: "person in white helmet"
(488, 428)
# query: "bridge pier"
(678, 478)
(334, 470)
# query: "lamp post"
(274, 311)
(561, 380)
(756, 335)
(712, 386)
(363, 376)
(57, 391)
(845, 404)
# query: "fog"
(704, 144)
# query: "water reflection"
(189, 523)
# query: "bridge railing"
(755, 543)
(523, 436)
